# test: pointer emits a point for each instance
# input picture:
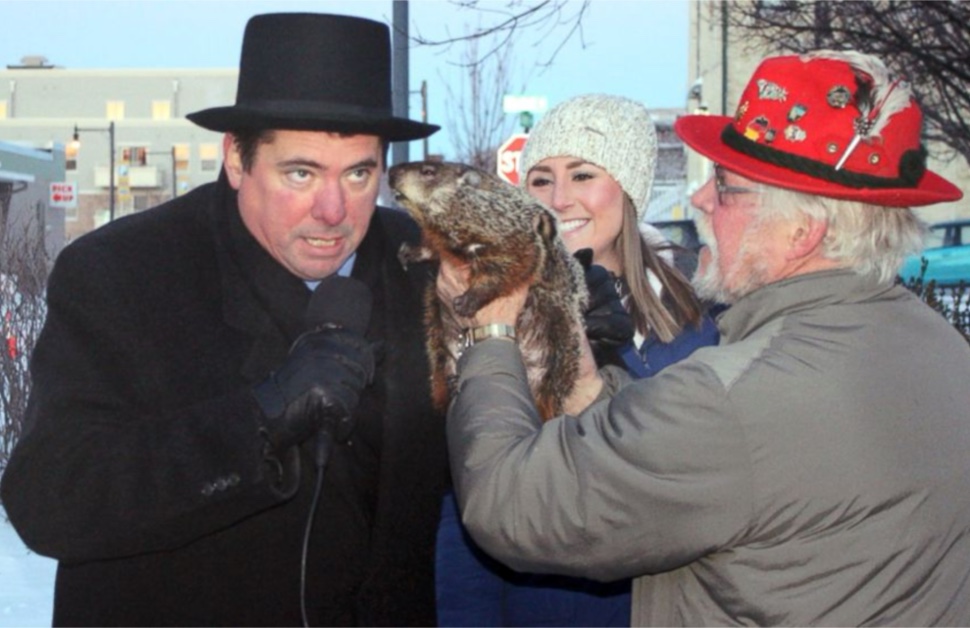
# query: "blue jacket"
(473, 589)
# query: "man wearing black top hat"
(183, 380)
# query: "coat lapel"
(259, 297)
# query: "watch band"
(493, 330)
(477, 334)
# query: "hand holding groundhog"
(453, 282)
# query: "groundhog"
(508, 239)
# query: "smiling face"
(588, 202)
(308, 196)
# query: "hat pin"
(865, 123)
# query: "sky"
(633, 48)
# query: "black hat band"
(912, 165)
(313, 106)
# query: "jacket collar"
(797, 294)
(259, 297)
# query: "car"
(682, 233)
(947, 254)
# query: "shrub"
(23, 274)
(952, 302)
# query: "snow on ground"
(26, 582)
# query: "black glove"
(608, 325)
(317, 387)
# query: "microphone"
(340, 303)
(337, 303)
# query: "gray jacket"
(814, 469)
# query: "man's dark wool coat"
(141, 468)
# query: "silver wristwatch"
(473, 335)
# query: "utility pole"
(399, 68)
(111, 162)
(424, 112)
(724, 58)
(171, 155)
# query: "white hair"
(871, 240)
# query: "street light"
(171, 153)
(111, 170)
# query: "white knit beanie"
(612, 132)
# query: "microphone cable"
(336, 302)
(323, 447)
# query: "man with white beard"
(812, 469)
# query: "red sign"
(508, 158)
(63, 194)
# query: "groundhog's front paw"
(465, 305)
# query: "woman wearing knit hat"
(591, 160)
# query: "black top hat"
(311, 71)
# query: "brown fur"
(508, 239)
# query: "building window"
(115, 110)
(181, 156)
(161, 110)
(70, 156)
(964, 235)
(134, 155)
(208, 157)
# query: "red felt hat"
(815, 125)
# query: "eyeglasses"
(725, 191)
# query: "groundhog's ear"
(545, 225)
(471, 178)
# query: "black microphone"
(340, 303)
(337, 303)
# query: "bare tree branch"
(23, 275)
(928, 43)
(476, 120)
(512, 21)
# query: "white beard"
(747, 273)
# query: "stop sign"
(508, 158)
